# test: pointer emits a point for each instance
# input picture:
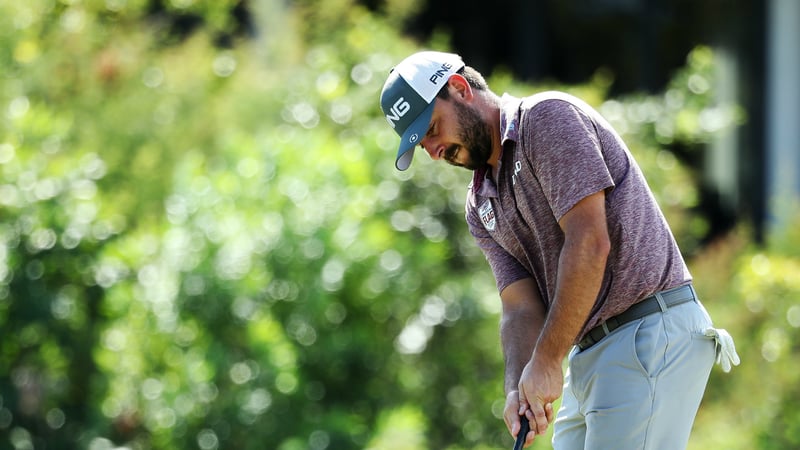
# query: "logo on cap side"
(398, 110)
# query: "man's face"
(458, 134)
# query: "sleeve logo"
(487, 215)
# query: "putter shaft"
(523, 432)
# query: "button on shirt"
(558, 150)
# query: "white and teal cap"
(409, 94)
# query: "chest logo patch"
(487, 215)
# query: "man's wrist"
(548, 354)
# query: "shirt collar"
(509, 118)
(482, 183)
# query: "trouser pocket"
(650, 343)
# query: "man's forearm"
(518, 335)
(580, 275)
(579, 284)
(521, 323)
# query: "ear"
(460, 86)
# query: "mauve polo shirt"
(558, 150)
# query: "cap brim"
(413, 136)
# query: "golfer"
(585, 263)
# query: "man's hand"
(511, 416)
(539, 386)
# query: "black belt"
(649, 305)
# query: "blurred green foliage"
(205, 243)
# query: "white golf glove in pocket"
(726, 350)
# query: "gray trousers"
(639, 387)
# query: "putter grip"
(523, 432)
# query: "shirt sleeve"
(566, 154)
(505, 268)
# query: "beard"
(476, 137)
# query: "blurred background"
(204, 243)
